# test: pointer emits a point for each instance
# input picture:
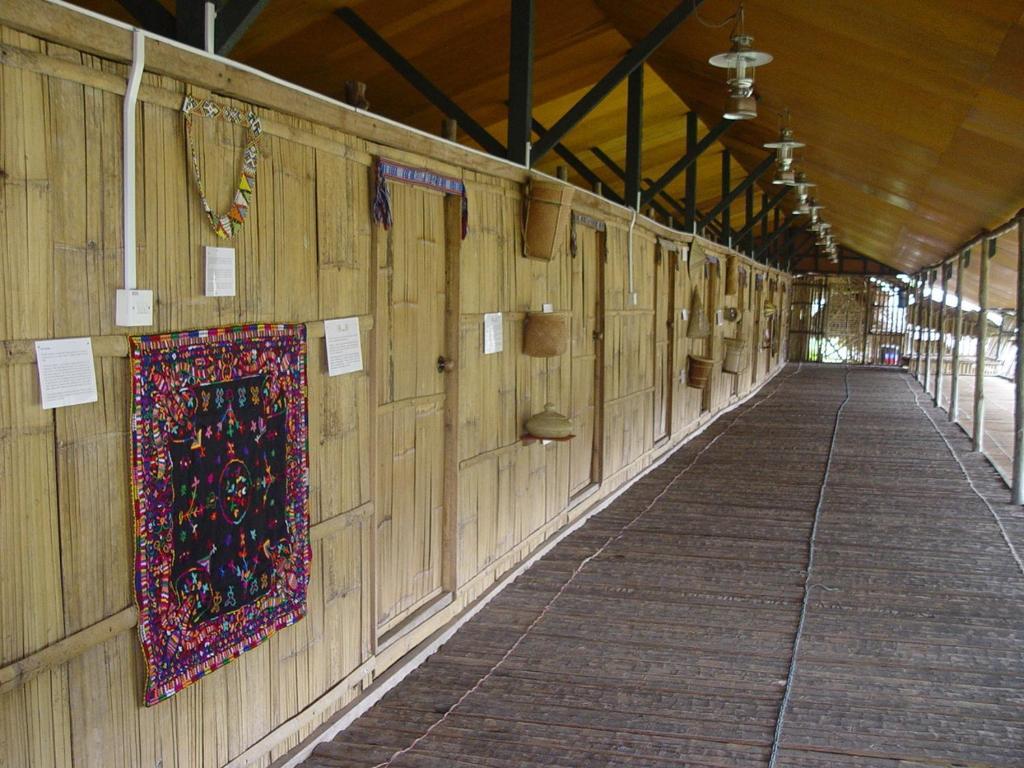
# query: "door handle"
(597, 335)
(445, 364)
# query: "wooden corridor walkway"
(672, 646)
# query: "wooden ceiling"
(912, 110)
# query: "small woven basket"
(545, 335)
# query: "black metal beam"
(636, 56)
(190, 22)
(578, 165)
(618, 170)
(151, 16)
(634, 136)
(693, 151)
(520, 82)
(723, 205)
(234, 20)
(766, 244)
(765, 210)
(764, 220)
(690, 159)
(728, 196)
(419, 81)
(666, 197)
(749, 214)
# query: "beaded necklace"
(225, 225)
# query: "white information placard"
(220, 271)
(494, 338)
(67, 372)
(344, 347)
(719, 317)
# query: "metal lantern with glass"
(741, 62)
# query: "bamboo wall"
(70, 666)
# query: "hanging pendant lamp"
(741, 61)
(813, 208)
(802, 187)
(784, 153)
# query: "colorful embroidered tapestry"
(220, 486)
(387, 169)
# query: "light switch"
(134, 307)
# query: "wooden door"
(757, 299)
(711, 306)
(587, 359)
(411, 395)
(664, 324)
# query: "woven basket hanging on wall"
(732, 275)
(546, 218)
(545, 335)
(699, 327)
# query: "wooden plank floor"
(671, 647)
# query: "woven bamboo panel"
(419, 484)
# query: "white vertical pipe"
(631, 299)
(209, 27)
(131, 98)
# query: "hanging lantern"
(813, 209)
(784, 153)
(741, 62)
(802, 187)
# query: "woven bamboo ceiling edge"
(911, 110)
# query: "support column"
(520, 82)
(691, 173)
(1018, 382)
(634, 136)
(958, 330)
(928, 339)
(919, 307)
(987, 250)
(937, 389)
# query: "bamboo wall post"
(450, 129)
(1018, 380)
(958, 329)
(942, 337)
(982, 336)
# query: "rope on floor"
(576, 572)
(808, 585)
(970, 482)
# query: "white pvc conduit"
(131, 98)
